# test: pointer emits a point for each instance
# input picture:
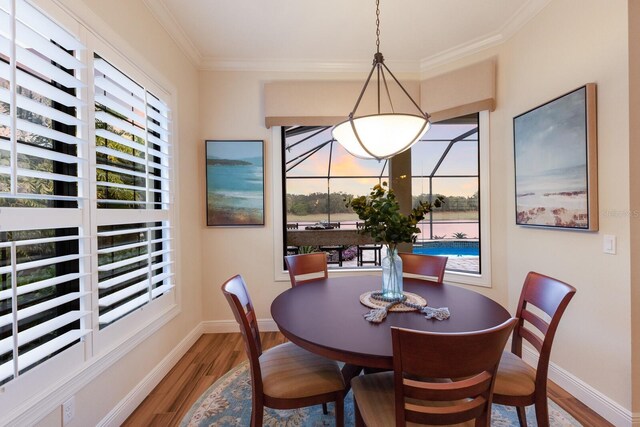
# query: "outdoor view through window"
(319, 175)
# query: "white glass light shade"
(383, 135)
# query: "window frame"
(482, 279)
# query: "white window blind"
(40, 296)
(39, 109)
(133, 155)
(134, 267)
(43, 283)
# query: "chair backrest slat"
(446, 415)
(454, 390)
(303, 264)
(470, 360)
(535, 320)
(532, 338)
(424, 265)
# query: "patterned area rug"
(228, 403)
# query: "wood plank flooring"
(215, 354)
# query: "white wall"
(129, 26)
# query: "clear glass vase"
(392, 274)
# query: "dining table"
(326, 317)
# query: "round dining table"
(326, 317)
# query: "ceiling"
(337, 35)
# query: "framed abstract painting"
(556, 169)
(235, 183)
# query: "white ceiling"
(300, 35)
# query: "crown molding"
(522, 16)
(301, 66)
(459, 52)
(163, 15)
(518, 20)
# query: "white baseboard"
(134, 398)
(229, 326)
(598, 402)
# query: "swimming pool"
(452, 249)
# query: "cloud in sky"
(552, 137)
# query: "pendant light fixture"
(382, 135)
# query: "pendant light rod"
(378, 26)
(386, 87)
(378, 49)
(425, 114)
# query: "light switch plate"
(609, 244)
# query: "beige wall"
(570, 43)
(132, 21)
(634, 184)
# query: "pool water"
(451, 250)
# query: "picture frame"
(556, 164)
(234, 183)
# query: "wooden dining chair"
(426, 266)
(437, 378)
(517, 383)
(285, 376)
(306, 264)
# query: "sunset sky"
(461, 160)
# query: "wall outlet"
(68, 410)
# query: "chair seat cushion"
(289, 372)
(375, 398)
(515, 377)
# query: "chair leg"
(358, 415)
(340, 411)
(542, 411)
(257, 413)
(324, 409)
(522, 416)
(483, 419)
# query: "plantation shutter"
(42, 280)
(39, 142)
(46, 298)
(135, 255)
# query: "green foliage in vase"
(383, 220)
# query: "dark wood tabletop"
(326, 317)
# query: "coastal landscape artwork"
(235, 183)
(556, 162)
